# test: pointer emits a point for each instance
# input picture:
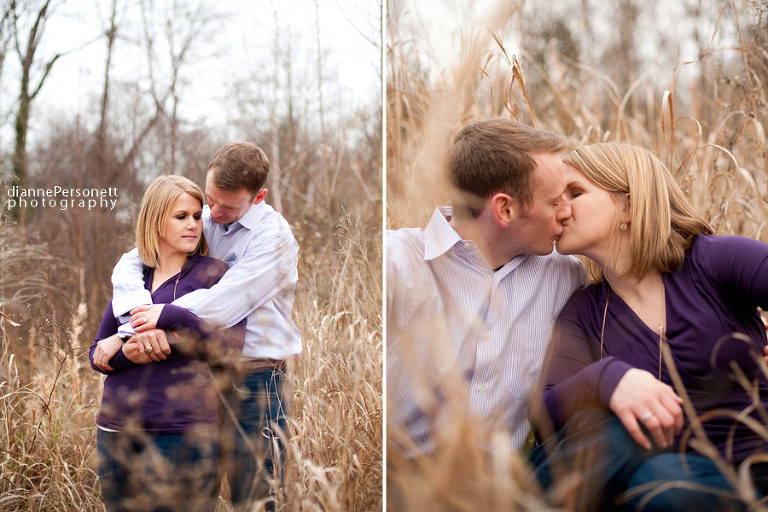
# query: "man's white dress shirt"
(263, 256)
(463, 338)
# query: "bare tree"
(5, 30)
(321, 107)
(5, 40)
(275, 172)
(172, 37)
(26, 44)
(111, 35)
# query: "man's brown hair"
(496, 155)
(239, 165)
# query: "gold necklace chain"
(178, 276)
(662, 334)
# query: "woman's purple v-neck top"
(714, 332)
(177, 394)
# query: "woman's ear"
(504, 209)
(626, 209)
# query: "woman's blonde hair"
(155, 207)
(663, 224)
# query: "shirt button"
(467, 245)
(488, 335)
(481, 389)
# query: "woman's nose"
(563, 210)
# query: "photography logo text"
(61, 198)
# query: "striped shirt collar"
(254, 214)
(250, 220)
(440, 237)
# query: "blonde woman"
(158, 424)
(662, 281)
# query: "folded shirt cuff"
(128, 301)
(126, 329)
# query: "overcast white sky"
(239, 44)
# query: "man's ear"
(260, 195)
(504, 209)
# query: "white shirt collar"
(250, 220)
(439, 235)
(254, 215)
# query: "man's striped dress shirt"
(462, 338)
(263, 256)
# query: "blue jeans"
(160, 473)
(253, 447)
(690, 482)
(595, 447)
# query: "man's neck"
(485, 238)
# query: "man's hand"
(154, 344)
(105, 350)
(765, 354)
(144, 318)
(640, 398)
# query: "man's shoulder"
(404, 245)
(274, 221)
(263, 224)
(405, 237)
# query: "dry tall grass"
(711, 133)
(48, 406)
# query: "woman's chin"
(562, 248)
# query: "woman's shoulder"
(585, 307)
(718, 247)
(587, 298)
(724, 240)
(206, 269)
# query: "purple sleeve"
(175, 317)
(737, 265)
(573, 376)
(107, 328)
(217, 347)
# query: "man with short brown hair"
(472, 298)
(258, 245)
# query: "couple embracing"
(488, 294)
(194, 344)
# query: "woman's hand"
(641, 398)
(146, 347)
(155, 344)
(144, 318)
(105, 350)
(135, 351)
